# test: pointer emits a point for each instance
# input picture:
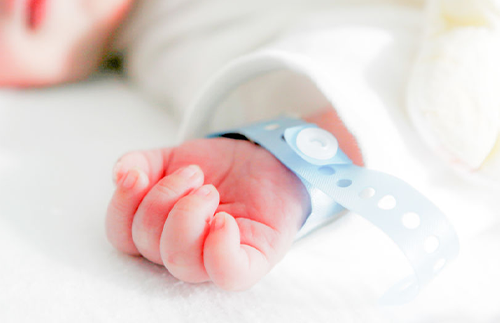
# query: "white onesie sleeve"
(341, 52)
(358, 65)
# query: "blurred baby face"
(44, 42)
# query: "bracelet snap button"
(317, 143)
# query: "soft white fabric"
(335, 59)
(57, 149)
(452, 95)
(453, 92)
(185, 42)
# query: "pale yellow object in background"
(453, 94)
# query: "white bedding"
(57, 149)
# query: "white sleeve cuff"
(361, 71)
(265, 84)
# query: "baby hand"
(218, 210)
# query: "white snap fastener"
(317, 143)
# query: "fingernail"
(188, 171)
(218, 222)
(204, 190)
(130, 179)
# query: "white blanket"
(57, 149)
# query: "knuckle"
(168, 188)
(184, 206)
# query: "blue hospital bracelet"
(335, 184)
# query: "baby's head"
(44, 42)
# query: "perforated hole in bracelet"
(431, 244)
(367, 193)
(327, 170)
(344, 183)
(388, 202)
(411, 220)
